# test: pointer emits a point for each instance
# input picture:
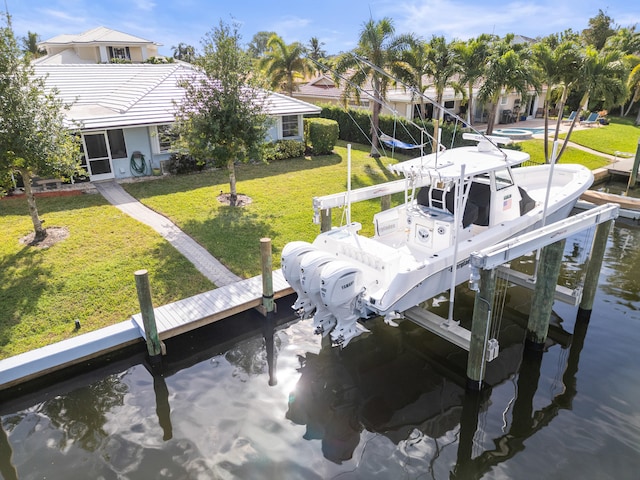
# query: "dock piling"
(544, 295)
(633, 175)
(154, 346)
(268, 306)
(593, 267)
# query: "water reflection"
(394, 388)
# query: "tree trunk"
(470, 105)
(39, 230)
(233, 193)
(375, 121)
(491, 121)
(638, 118)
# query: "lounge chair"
(592, 120)
(570, 118)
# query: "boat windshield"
(503, 178)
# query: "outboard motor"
(342, 284)
(292, 255)
(311, 267)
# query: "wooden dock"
(193, 312)
(172, 319)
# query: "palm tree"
(30, 45)
(383, 51)
(315, 49)
(415, 60)
(184, 52)
(633, 83)
(471, 57)
(558, 62)
(507, 70)
(284, 64)
(441, 69)
(602, 77)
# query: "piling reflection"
(163, 408)
(395, 388)
(7, 469)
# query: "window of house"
(290, 126)
(161, 138)
(449, 104)
(121, 53)
(117, 146)
(504, 100)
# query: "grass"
(621, 135)
(535, 148)
(282, 209)
(88, 276)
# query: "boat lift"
(488, 263)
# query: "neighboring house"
(322, 90)
(123, 111)
(98, 45)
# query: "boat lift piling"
(593, 268)
(633, 176)
(551, 238)
(544, 295)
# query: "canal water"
(392, 405)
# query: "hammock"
(392, 142)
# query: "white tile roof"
(97, 35)
(120, 95)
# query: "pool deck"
(171, 320)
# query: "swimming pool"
(520, 133)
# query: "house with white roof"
(98, 45)
(122, 111)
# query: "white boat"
(343, 277)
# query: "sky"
(336, 23)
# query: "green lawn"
(621, 135)
(88, 276)
(535, 148)
(282, 194)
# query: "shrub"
(181, 163)
(321, 134)
(282, 149)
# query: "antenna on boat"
(554, 155)
(348, 202)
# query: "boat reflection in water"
(392, 387)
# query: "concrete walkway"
(206, 263)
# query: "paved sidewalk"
(206, 263)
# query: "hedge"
(321, 135)
(355, 126)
